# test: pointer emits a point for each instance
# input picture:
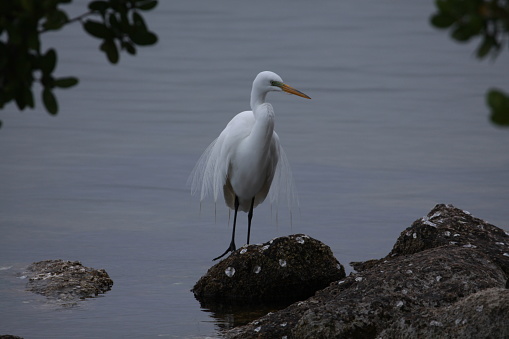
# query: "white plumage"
(246, 161)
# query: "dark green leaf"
(442, 20)
(484, 48)
(129, 47)
(139, 22)
(20, 101)
(143, 38)
(48, 62)
(97, 29)
(100, 6)
(55, 20)
(29, 98)
(443, 5)
(50, 102)
(66, 82)
(499, 104)
(114, 21)
(33, 40)
(125, 26)
(48, 81)
(461, 33)
(109, 47)
(147, 5)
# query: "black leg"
(249, 217)
(232, 243)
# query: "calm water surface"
(397, 124)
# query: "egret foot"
(229, 249)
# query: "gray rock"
(448, 225)
(484, 314)
(66, 280)
(287, 268)
(429, 270)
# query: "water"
(397, 124)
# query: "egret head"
(269, 81)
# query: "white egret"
(243, 160)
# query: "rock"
(429, 270)
(364, 304)
(481, 315)
(8, 336)
(66, 280)
(448, 225)
(284, 269)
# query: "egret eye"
(275, 83)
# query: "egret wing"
(283, 186)
(210, 173)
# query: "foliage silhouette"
(489, 20)
(23, 62)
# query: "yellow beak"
(291, 90)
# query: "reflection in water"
(230, 316)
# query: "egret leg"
(232, 247)
(249, 217)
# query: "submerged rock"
(284, 269)
(66, 280)
(425, 288)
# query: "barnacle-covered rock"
(66, 281)
(284, 269)
(446, 276)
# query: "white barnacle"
(258, 329)
(299, 240)
(426, 221)
(469, 246)
(436, 323)
(358, 279)
(230, 271)
(257, 269)
(282, 262)
(244, 250)
(436, 214)
(399, 303)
